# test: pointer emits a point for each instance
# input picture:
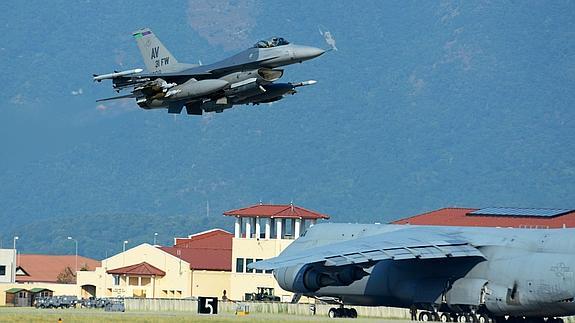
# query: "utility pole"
(14, 263)
(76, 255)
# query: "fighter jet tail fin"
(156, 56)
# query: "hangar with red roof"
(536, 218)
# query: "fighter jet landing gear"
(342, 312)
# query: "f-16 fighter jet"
(245, 78)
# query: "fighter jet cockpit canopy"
(272, 42)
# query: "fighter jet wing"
(409, 243)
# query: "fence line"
(188, 305)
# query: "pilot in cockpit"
(273, 42)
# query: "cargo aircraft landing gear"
(427, 316)
(430, 316)
(342, 312)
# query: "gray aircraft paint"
(247, 77)
(520, 272)
(156, 56)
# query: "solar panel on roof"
(514, 211)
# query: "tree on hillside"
(67, 276)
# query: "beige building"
(262, 232)
(39, 275)
(211, 263)
(7, 265)
(207, 263)
(160, 272)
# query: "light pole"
(76, 256)
(155, 238)
(14, 264)
(124, 252)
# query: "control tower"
(263, 231)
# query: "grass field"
(11, 314)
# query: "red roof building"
(141, 269)
(289, 211)
(214, 239)
(46, 268)
(495, 217)
(278, 221)
(208, 250)
(203, 258)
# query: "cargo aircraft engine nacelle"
(308, 279)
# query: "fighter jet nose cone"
(313, 52)
(306, 52)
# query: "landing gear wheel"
(445, 318)
(332, 313)
(484, 318)
(424, 316)
(352, 313)
(467, 318)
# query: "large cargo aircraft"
(463, 274)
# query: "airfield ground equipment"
(263, 294)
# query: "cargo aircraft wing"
(407, 243)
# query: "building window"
(259, 271)
(133, 281)
(239, 265)
(248, 262)
(288, 228)
(116, 280)
(269, 271)
(2, 270)
(145, 281)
